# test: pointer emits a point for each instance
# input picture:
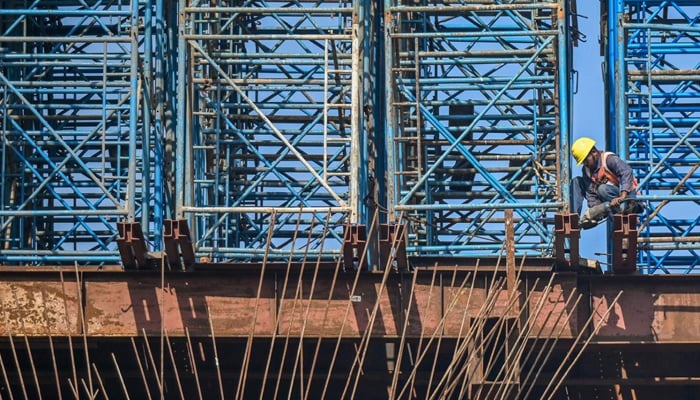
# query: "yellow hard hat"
(581, 148)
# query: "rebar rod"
(278, 314)
(31, 362)
(298, 294)
(298, 360)
(220, 380)
(174, 364)
(279, 308)
(465, 336)
(99, 382)
(511, 283)
(673, 191)
(438, 345)
(141, 371)
(193, 363)
(487, 306)
(156, 372)
(370, 236)
(52, 349)
(90, 395)
(494, 332)
(520, 341)
(375, 309)
(7, 381)
(240, 390)
(323, 326)
(13, 349)
(490, 298)
(551, 349)
(161, 306)
(402, 342)
(83, 325)
(571, 364)
(536, 360)
(521, 336)
(69, 336)
(422, 332)
(119, 375)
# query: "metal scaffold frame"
(653, 53)
(477, 122)
(268, 139)
(76, 157)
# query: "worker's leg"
(578, 191)
(608, 192)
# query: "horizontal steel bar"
(502, 34)
(270, 10)
(111, 258)
(281, 37)
(66, 39)
(477, 247)
(484, 206)
(328, 253)
(433, 9)
(63, 212)
(221, 210)
(661, 27)
(671, 197)
(668, 239)
(58, 12)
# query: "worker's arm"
(622, 170)
(591, 192)
(625, 175)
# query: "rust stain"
(39, 308)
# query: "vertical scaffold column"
(270, 93)
(654, 90)
(478, 108)
(73, 161)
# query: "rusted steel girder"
(650, 309)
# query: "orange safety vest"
(604, 175)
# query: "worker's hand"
(618, 200)
(615, 202)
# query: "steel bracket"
(132, 245)
(566, 227)
(624, 259)
(354, 244)
(392, 246)
(178, 245)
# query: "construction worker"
(607, 181)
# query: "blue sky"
(589, 107)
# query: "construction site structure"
(311, 199)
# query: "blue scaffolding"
(653, 87)
(270, 127)
(268, 136)
(76, 156)
(478, 122)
